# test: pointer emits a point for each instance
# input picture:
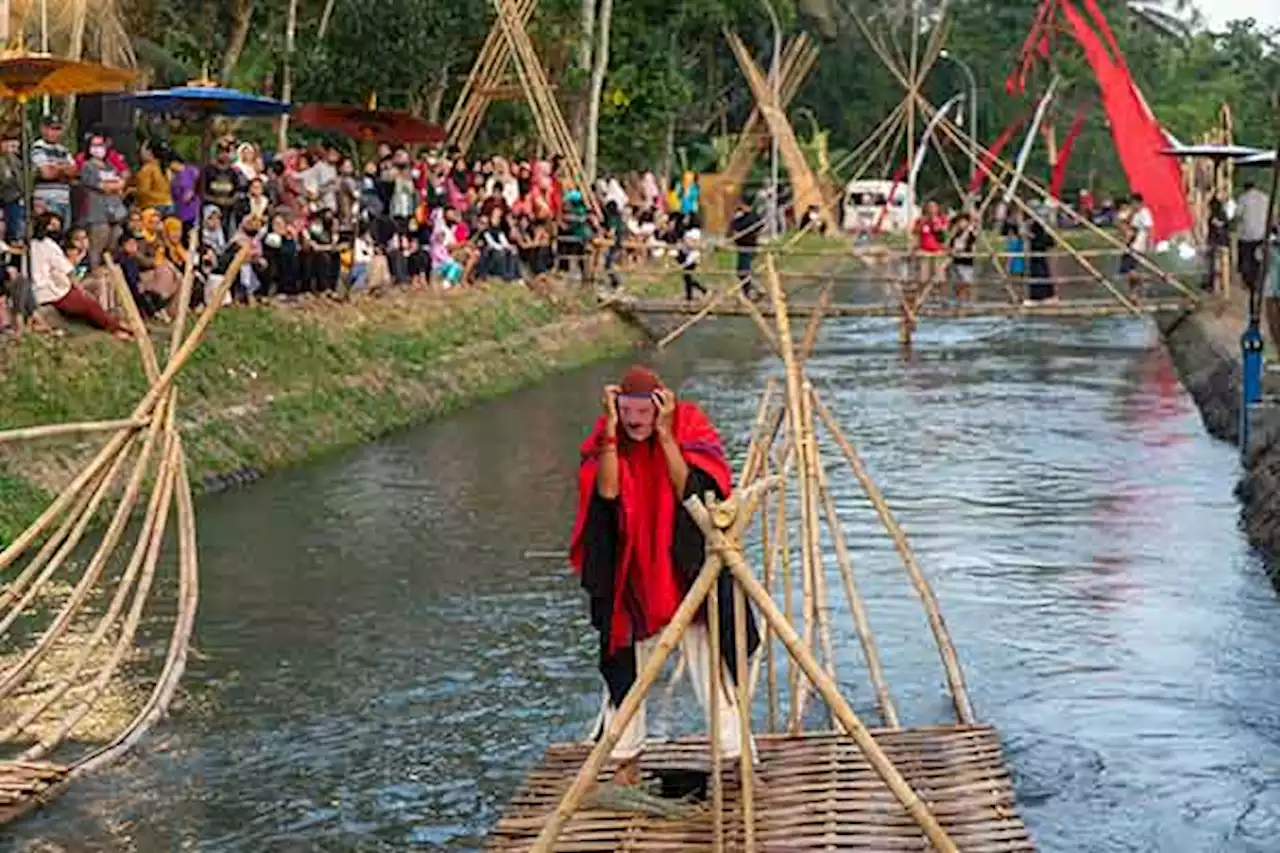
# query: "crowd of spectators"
(315, 223)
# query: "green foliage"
(670, 70)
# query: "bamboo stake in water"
(766, 638)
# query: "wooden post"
(286, 90)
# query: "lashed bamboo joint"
(63, 711)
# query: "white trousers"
(696, 647)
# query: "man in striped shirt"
(54, 169)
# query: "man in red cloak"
(637, 550)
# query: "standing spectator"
(220, 184)
(1040, 286)
(153, 184)
(184, 186)
(745, 230)
(690, 199)
(255, 203)
(104, 207)
(248, 162)
(930, 231)
(1217, 241)
(1137, 229)
(11, 199)
(575, 233)
(54, 169)
(1251, 231)
(688, 256)
(963, 240)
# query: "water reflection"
(378, 666)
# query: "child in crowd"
(688, 256)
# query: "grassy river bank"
(277, 385)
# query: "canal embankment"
(277, 385)
(1205, 347)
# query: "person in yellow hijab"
(171, 239)
(158, 274)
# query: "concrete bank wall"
(1205, 347)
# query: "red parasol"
(370, 124)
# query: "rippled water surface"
(378, 665)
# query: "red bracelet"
(605, 441)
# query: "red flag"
(1064, 154)
(988, 157)
(1138, 138)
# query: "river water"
(378, 665)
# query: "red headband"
(640, 380)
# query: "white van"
(865, 200)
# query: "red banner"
(988, 157)
(1138, 137)
(1064, 153)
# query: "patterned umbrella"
(369, 124)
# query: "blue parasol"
(205, 101)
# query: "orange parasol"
(27, 75)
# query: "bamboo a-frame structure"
(62, 657)
(507, 49)
(784, 453)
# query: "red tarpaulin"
(1138, 138)
(1064, 154)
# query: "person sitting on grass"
(52, 284)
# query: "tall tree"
(604, 22)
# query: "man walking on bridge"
(637, 551)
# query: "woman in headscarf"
(652, 195)
(171, 239)
(212, 237)
(503, 184)
(248, 163)
(184, 185)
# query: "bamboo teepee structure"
(70, 606)
(507, 49)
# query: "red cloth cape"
(646, 519)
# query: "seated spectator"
(280, 252)
(497, 256)
(51, 280)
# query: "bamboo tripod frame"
(810, 653)
(54, 684)
(508, 47)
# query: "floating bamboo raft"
(844, 787)
(815, 792)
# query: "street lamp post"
(973, 102)
(775, 74)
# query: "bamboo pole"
(60, 430)
(813, 474)
(825, 685)
(59, 548)
(755, 446)
(667, 640)
(950, 660)
(861, 621)
(713, 719)
(747, 794)
(766, 640)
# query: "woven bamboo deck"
(815, 792)
(27, 785)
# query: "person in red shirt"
(930, 231)
(637, 552)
